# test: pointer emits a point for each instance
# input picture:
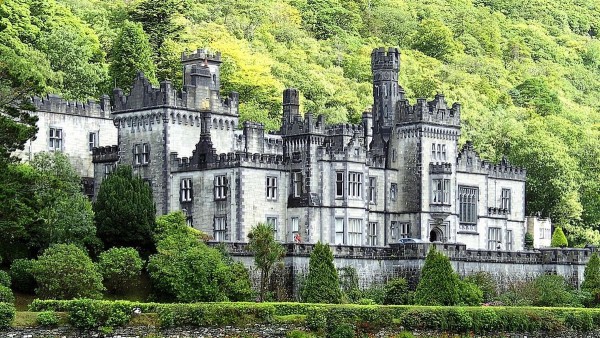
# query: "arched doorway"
(436, 235)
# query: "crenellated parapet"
(436, 111)
(440, 168)
(469, 161)
(56, 104)
(228, 160)
(196, 97)
(307, 125)
(105, 154)
(201, 54)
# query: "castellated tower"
(386, 91)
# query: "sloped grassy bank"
(321, 319)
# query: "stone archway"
(436, 235)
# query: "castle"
(397, 176)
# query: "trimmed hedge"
(85, 313)
(7, 314)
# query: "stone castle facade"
(398, 174)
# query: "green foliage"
(349, 283)
(322, 284)
(298, 334)
(7, 314)
(267, 252)
(591, 276)
(528, 240)
(6, 295)
(21, 275)
(185, 269)
(48, 318)
(65, 271)
(343, 331)
(469, 294)
(120, 268)
(435, 39)
(536, 94)
(125, 212)
(66, 213)
(438, 284)
(559, 240)
(486, 283)
(553, 290)
(5, 279)
(131, 54)
(396, 291)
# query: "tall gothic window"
(468, 197)
(354, 184)
(220, 228)
(297, 183)
(185, 191)
(339, 231)
(505, 199)
(440, 191)
(339, 184)
(372, 234)
(271, 188)
(372, 190)
(220, 187)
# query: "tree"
(591, 275)
(438, 284)
(267, 252)
(65, 213)
(185, 269)
(120, 268)
(65, 271)
(559, 240)
(131, 54)
(528, 240)
(125, 212)
(435, 39)
(536, 93)
(322, 283)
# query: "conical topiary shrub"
(439, 284)
(559, 240)
(322, 284)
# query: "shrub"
(396, 291)
(316, 319)
(375, 292)
(21, 276)
(322, 284)
(4, 278)
(438, 284)
(559, 240)
(65, 271)
(349, 284)
(298, 334)
(469, 293)
(48, 318)
(553, 290)
(6, 295)
(120, 268)
(7, 314)
(486, 284)
(267, 252)
(343, 330)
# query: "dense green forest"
(526, 72)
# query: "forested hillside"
(526, 72)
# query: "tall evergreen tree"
(322, 284)
(439, 284)
(125, 211)
(131, 53)
(591, 275)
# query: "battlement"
(56, 104)
(200, 54)
(298, 125)
(436, 111)
(440, 168)
(382, 59)
(469, 161)
(105, 154)
(345, 129)
(144, 95)
(229, 160)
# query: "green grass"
(29, 319)
(290, 319)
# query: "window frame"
(355, 182)
(271, 191)
(372, 233)
(468, 201)
(93, 143)
(505, 199)
(494, 238)
(393, 191)
(186, 192)
(55, 139)
(297, 183)
(355, 231)
(440, 191)
(339, 228)
(339, 184)
(403, 230)
(220, 184)
(372, 190)
(220, 228)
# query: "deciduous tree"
(267, 252)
